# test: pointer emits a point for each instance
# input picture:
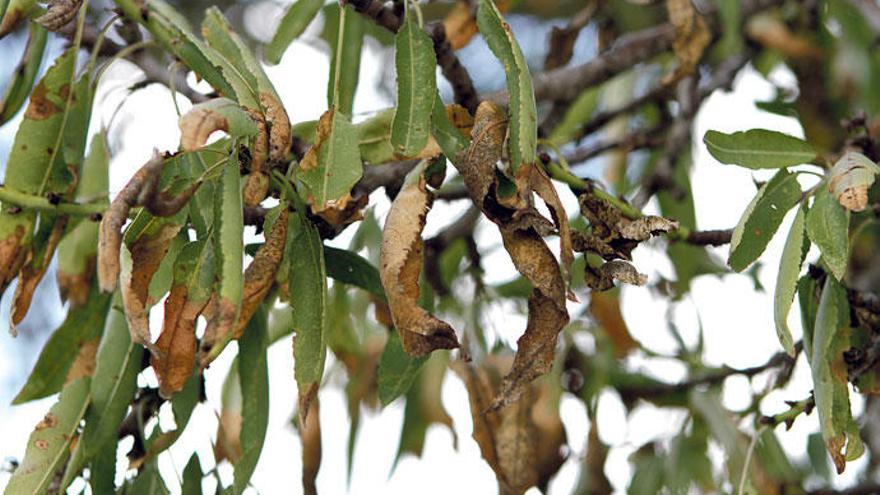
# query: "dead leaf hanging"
(401, 265)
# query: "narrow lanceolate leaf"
(397, 370)
(830, 388)
(761, 219)
(333, 165)
(49, 445)
(350, 268)
(850, 179)
(192, 476)
(344, 29)
(758, 148)
(36, 164)
(228, 253)
(307, 285)
(117, 365)
(828, 228)
(447, 125)
(25, 74)
(78, 250)
(401, 264)
(296, 19)
(219, 114)
(416, 87)
(253, 374)
(786, 281)
(82, 327)
(523, 114)
(190, 290)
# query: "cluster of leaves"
(175, 235)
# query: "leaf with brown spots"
(692, 37)
(84, 363)
(49, 445)
(401, 265)
(521, 442)
(260, 274)
(59, 14)
(190, 292)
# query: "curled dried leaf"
(692, 37)
(644, 228)
(59, 14)
(177, 342)
(850, 179)
(310, 437)
(603, 277)
(110, 234)
(401, 265)
(34, 267)
(260, 274)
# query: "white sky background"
(737, 320)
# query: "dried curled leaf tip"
(59, 14)
(850, 179)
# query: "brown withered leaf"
(461, 22)
(75, 287)
(280, 135)
(774, 34)
(310, 437)
(59, 13)
(603, 277)
(177, 342)
(521, 230)
(605, 308)
(257, 184)
(147, 252)
(850, 179)
(613, 235)
(34, 267)
(228, 444)
(400, 265)
(543, 187)
(12, 256)
(84, 364)
(646, 227)
(260, 274)
(522, 442)
(692, 37)
(110, 234)
(547, 312)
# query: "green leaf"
(397, 370)
(148, 482)
(416, 88)
(49, 445)
(25, 74)
(758, 148)
(808, 297)
(78, 250)
(350, 268)
(82, 324)
(253, 374)
(786, 280)
(228, 253)
(828, 228)
(115, 379)
(449, 137)
(521, 100)
(238, 122)
(192, 476)
(830, 386)
(296, 19)
(333, 165)
(762, 218)
(344, 31)
(13, 11)
(102, 472)
(575, 116)
(307, 279)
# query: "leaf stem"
(30, 201)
